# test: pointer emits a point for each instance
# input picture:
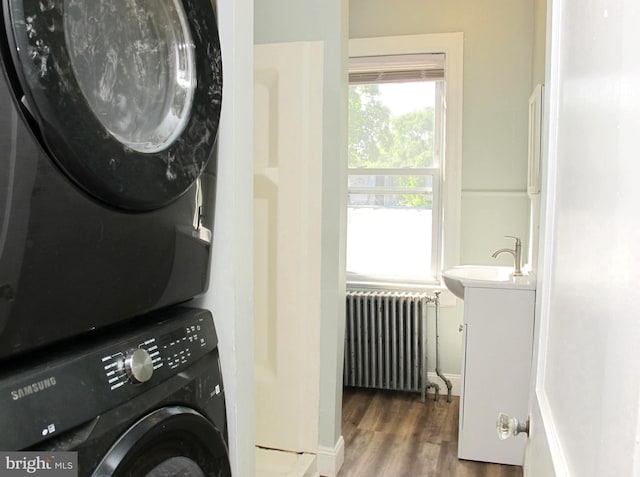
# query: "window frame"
(451, 44)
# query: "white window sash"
(451, 44)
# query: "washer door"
(175, 441)
(126, 94)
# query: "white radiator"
(386, 340)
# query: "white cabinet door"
(496, 368)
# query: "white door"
(585, 395)
(287, 217)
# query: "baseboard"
(455, 379)
(330, 460)
(456, 383)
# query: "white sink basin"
(484, 276)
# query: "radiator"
(386, 340)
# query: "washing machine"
(146, 401)
(109, 114)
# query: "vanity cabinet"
(496, 368)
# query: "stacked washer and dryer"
(109, 115)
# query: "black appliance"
(109, 115)
(147, 402)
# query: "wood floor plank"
(394, 434)
(414, 459)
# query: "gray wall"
(539, 41)
(498, 62)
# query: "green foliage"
(369, 126)
(379, 140)
(414, 200)
(413, 139)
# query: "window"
(404, 146)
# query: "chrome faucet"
(517, 255)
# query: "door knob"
(507, 426)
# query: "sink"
(484, 276)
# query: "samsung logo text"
(33, 388)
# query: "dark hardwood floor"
(392, 434)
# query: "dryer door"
(125, 95)
(175, 441)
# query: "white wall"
(230, 292)
(498, 49)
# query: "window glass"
(394, 173)
(134, 62)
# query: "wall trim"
(555, 443)
(330, 460)
(456, 384)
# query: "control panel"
(73, 386)
(139, 362)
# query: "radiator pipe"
(427, 383)
(438, 372)
(436, 387)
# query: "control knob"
(139, 365)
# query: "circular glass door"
(126, 94)
(137, 75)
(175, 441)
